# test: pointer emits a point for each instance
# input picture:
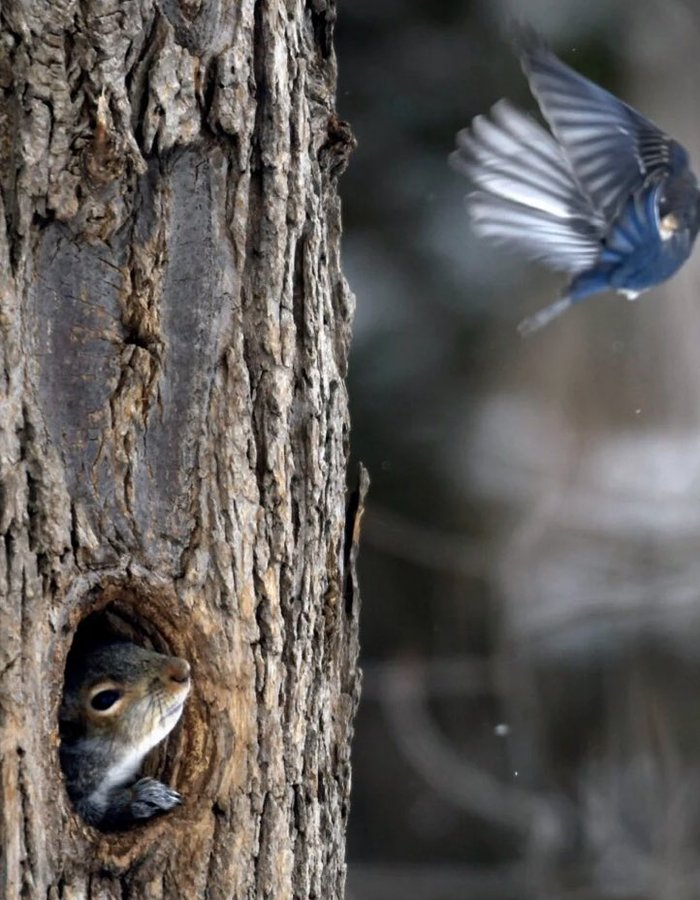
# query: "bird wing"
(613, 149)
(528, 196)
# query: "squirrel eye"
(104, 699)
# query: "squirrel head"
(123, 695)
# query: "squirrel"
(119, 701)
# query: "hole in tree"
(126, 684)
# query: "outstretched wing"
(527, 196)
(613, 149)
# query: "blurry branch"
(426, 882)
(421, 545)
(456, 676)
(640, 811)
(405, 704)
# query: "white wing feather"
(528, 196)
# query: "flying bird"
(606, 196)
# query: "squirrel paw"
(149, 797)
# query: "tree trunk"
(174, 432)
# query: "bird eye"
(103, 700)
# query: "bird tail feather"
(533, 323)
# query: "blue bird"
(606, 197)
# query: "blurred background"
(530, 717)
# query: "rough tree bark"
(174, 431)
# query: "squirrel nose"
(178, 670)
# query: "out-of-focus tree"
(531, 573)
